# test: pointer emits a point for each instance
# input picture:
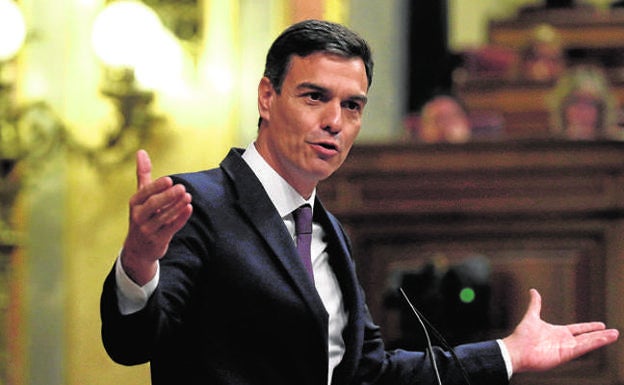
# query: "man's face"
(309, 128)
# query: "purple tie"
(303, 230)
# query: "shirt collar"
(283, 196)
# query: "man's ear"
(266, 92)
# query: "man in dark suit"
(215, 292)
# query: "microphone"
(424, 323)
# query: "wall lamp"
(128, 37)
(12, 36)
(123, 35)
(125, 38)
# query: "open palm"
(536, 345)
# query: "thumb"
(535, 304)
(143, 169)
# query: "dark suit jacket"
(234, 304)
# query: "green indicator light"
(467, 295)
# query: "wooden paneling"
(524, 104)
(544, 214)
(578, 27)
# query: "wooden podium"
(542, 214)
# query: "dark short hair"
(311, 36)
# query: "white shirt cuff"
(130, 296)
(506, 358)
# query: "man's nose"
(332, 117)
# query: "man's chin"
(327, 169)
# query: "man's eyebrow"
(360, 98)
(312, 86)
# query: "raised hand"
(536, 345)
(158, 210)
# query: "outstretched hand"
(158, 210)
(536, 345)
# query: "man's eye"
(352, 106)
(315, 96)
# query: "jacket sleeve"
(482, 362)
(125, 337)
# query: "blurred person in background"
(583, 105)
(444, 119)
(542, 58)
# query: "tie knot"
(303, 219)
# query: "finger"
(162, 208)
(167, 214)
(165, 226)
(145, 193)
(591, 341)
(585, 327)
(177, 222)
(177, 208)
(143, 169)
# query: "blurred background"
(85, 83)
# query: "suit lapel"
(341, 262)
(256, 206)
(340, 257)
